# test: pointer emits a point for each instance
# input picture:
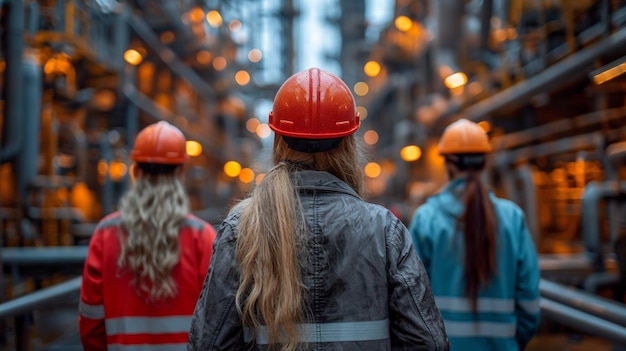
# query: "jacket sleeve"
(205, 251)
(527, 287)
(91, 305)
(216, 324)
(415, 320)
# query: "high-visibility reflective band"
(480, 329)
(148, 325)
(331, 332)
(91, 311)
(530, 306)
(484, 304)
(156, 347)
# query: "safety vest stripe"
(148, 325)
(484, 304)
(330, 332)
(91, 311)
(530, 306)
(480, 329)
(155, 347)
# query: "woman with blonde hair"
(304, 261)
(146, 262)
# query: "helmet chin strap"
(312, 145)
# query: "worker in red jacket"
(146, 262)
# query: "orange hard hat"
(314, 104)
(160, 143)
(464, 137)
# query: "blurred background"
(545, 78)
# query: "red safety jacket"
(112, 316)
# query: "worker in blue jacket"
(477, 251)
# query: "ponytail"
(271, 289)
(479, 236)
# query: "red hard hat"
(161, 143)
(464, 137)
(314, 104)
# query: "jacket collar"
(307, 181)
(450, 198)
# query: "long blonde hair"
(151, 214)
(272, 233)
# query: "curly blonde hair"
(151, 214)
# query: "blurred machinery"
(81, 77)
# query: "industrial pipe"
(49, 255)
(570, 69)
(584, 301)
(593, 193)
(582, 321)
(13, 121)
(42, 298)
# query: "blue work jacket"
(507, 315)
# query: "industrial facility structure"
(545, 78)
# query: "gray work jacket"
(366, 286)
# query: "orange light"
(246, 175)
(371, 68)
(455, 80)
(242, 77)
(133, 57)
(219, 63)
(196, 15)
(252, 124)
(403, 23)
(232, 169)
(373, 170)
(410, 153)
(214, 18)
(193, 147)
(203, 57)
(370, 137)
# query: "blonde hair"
(272, 234)
(151, 214)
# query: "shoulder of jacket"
(194, 222)
(110, 220)
(506, 205)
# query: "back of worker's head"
(159, 148)
(465, 144)
(314, 118)
(153, 210)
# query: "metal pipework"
(15, 46)
(570, 69)
(50, 255)
(582, 321)
(593, 193)
(583, 301)
(42, 298)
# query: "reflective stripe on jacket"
(508, 308)
(113, 317)
(366, 286)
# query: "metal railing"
(563, 304)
